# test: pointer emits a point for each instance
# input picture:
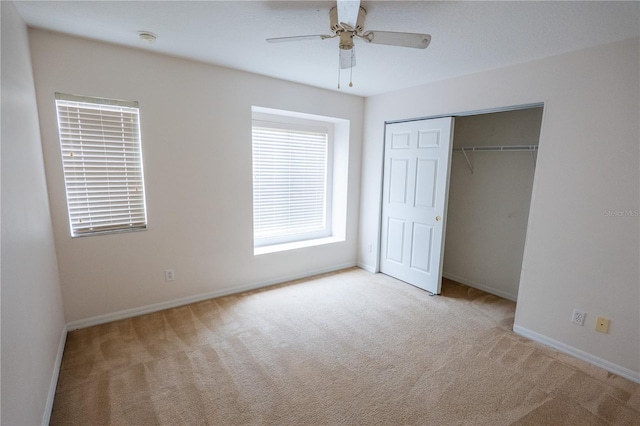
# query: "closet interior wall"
(488, 209)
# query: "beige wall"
(196, 142)
(576, 256)
(489, 209)
(32, 316)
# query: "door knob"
(438, 218)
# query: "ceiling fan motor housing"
(345, 32)
(336, 27)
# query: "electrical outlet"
(602, 325)
(169, 275)
(370, 247)
(578, 317)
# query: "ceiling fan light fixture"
(346, 40)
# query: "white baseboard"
(634, 376)
(46, 416)
(482, 287)
(366, 267)
(128, 313)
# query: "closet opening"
(491, 180)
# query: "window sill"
(295, 245)
(109, 232)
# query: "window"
(300, 179)
(102, 164)
(291, 180)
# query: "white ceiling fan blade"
(347, 58)
(298, 38)
(348, 12)
(415, 40)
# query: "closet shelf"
(529, 148)
(498, 148)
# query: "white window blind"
(289, 183)
(102, 163)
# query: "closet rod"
(498, 148)
(530, 148)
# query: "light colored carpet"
(342, 348)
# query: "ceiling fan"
(346, 21)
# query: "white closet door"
(414, 207)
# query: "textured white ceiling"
(467, 37)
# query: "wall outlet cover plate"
(578, 317)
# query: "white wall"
(196, 141)
(32, 316)
(575, 256)
(489, 209)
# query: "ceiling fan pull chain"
(338, 72)
(351, 70)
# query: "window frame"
(285, 122)
(130, 155)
